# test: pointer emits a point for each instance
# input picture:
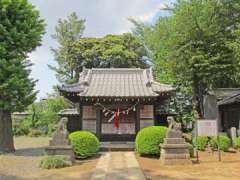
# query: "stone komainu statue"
(174, 128)
(60, 135)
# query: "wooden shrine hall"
(115, 103)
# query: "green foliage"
(21, 30)
(197, 45)
(191, 150)
(119, 51)
(225, 143)
(22, 128)
(200, 142)
(237, 142)
(67, 32)
(148, 140)
(85, 144)
(44, 117)
(54, 162)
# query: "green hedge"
(54, 162)
(237, 142)
(225, 142)
(148, 140)
(191, 150)
(85, 144)
(200, 142)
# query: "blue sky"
(102, 17)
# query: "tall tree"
(21, 30)
(194, 45)
(121, 51)
(67, 32)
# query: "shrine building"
(115, 103)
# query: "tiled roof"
(66, 112)
(230, 100)
(117, 82)
(72, 88)
(222, 93)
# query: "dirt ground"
(208, 168)
(24, 163)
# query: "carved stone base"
(60, 150)
(174, 151)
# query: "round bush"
(225, 143)
(201, 142)
(85, 144)
(148, 140)
(237, 142)
(54, 162)
(191, 150)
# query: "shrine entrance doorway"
(119, 124)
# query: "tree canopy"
(197, 45)
(119, 51)
(67, 32)
(21, 29)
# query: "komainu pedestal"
(174, 150)
(60, 145)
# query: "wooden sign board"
(206, 127)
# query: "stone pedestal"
(60, 145)
(174, 150)
(60, 150)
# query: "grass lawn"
(208, 168)
(24, 163)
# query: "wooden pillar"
(137, 119)
(98, 122)
(81, 116)
(154, 114)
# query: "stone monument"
(174, 150)
(233, 133)
(60, 144)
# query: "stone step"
(174, 146)
(174, 140)
(117, 146)
(176, 156)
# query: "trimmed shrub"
(225, 143)
(148, 140)
(85, 144)
(54, 162)
(237, 142)
(200, 142)
(191, 150)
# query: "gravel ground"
(24, 163)
(208, 168)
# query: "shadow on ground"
(38, 151)
(10, 177)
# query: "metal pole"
(196, 135)
(219, 151)
(218, 141)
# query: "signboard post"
(207, 127)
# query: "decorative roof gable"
(117, 82)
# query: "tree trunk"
(197, 98)
(6, 134)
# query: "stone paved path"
(118, 166)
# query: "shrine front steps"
(117, 146)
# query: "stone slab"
(118, 166)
